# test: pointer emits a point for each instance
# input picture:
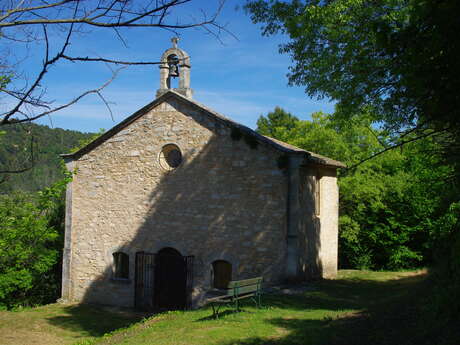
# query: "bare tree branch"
(114, 14)
(72, 102)
(426, 134)
(109, 16)
(106, 104)
(117, 62)
(31, 9)
(4, 178)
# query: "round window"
(170, 157)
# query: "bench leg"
(215, 310)
(256, 300)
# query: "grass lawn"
(358, 308)
(351, 310)
(60, 324)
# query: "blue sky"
(242, 78)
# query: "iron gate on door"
(144, 281)
(163, 281)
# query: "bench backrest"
(241, 287)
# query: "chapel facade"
(177, 200)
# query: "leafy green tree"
(276, 124)
(397, 56)
(83, 141)
(31, 241)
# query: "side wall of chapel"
(318, 230)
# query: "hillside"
(48, 143)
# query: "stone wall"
(329, 220)
(225, 201)
(308, 225)
(318, 231)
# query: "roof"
(311, 157)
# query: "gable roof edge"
(277, 144)
(114, 130)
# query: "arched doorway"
(173, 279)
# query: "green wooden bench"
(235, 291)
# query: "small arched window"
(222, 274)
(120, 265)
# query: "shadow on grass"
(387, 312)
(222, 314)
(340, 294)
(93, 320)
(382, 313)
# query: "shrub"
(31, 238)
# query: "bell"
(173, 71)
(173, 64)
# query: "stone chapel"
(177, 200)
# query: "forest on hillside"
(32, 207)
(37, 147)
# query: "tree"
(31, 241)
(276, 124)
(55, 26)
(399, 57)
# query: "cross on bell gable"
(174, 41)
